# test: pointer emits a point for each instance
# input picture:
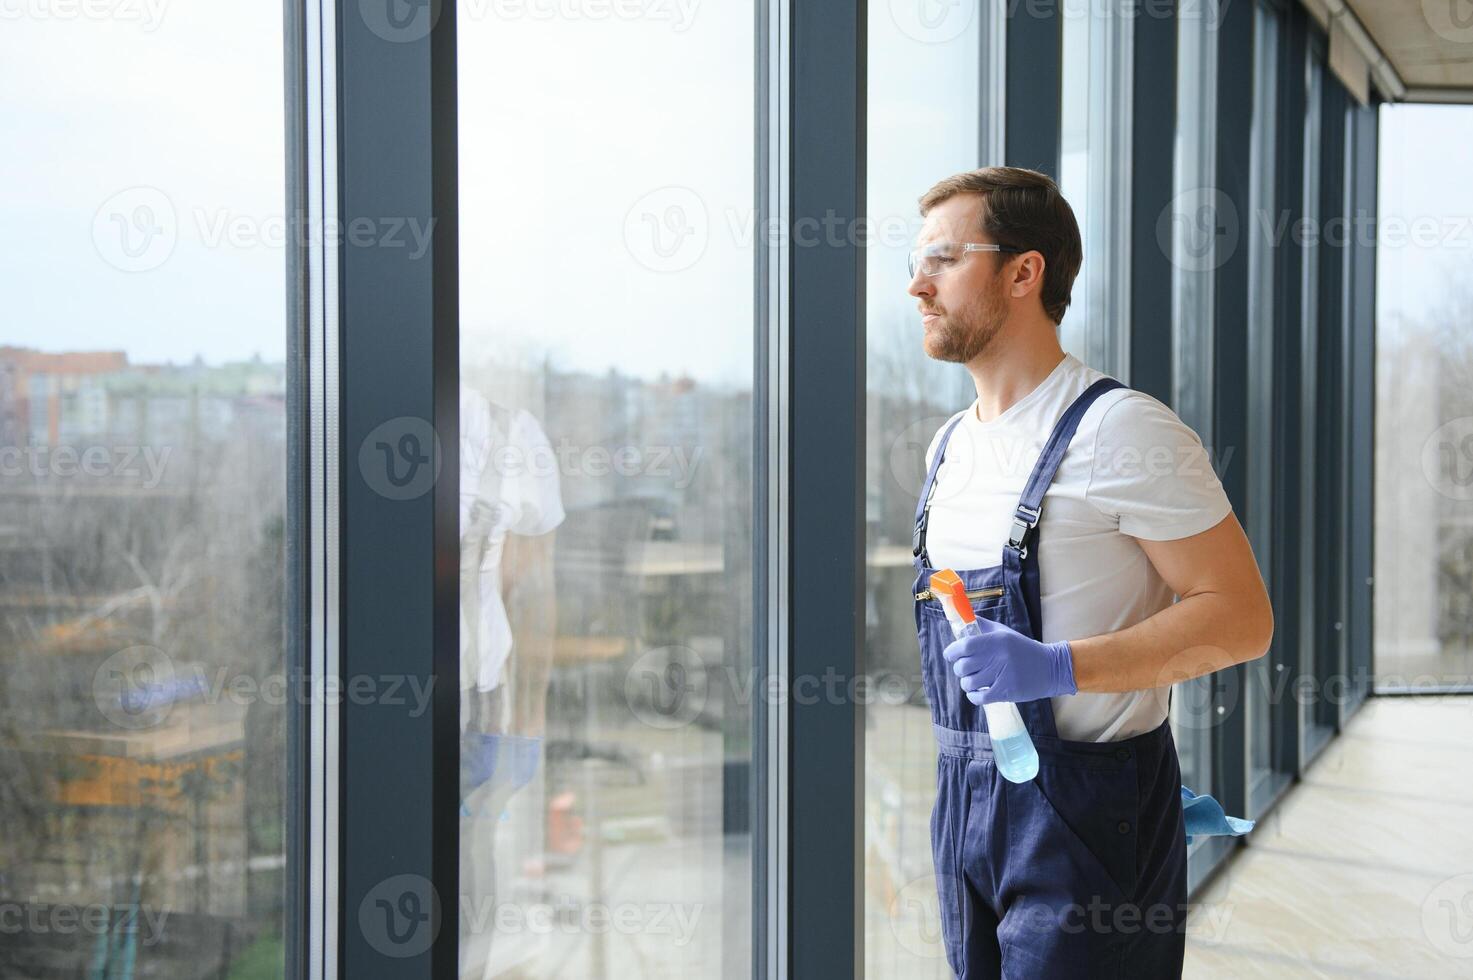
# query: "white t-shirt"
(506, 459)
(1133, 470)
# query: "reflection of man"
(1073, 509)
(510, 501)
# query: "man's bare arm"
(1222, 618)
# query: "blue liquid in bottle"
(1012, 748)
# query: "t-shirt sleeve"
(1152, 473)
(475, 439)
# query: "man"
(509, 508)
(1103, 506)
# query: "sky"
(606, 181)
(179, 115)
(1423, 187)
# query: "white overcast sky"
(578, 138)
(1424, 187)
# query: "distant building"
(34, 385)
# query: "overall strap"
(1030, 505)
(923, 507)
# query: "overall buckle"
(918, 532)
(1024, 521)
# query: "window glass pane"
(1424, 401)
(1195, 260)
(1074, 163)
(143, 687)
(607, 311)
(1094, 177)
(918, 134)
(1262, 151)
(1312, 564)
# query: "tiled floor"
(1365, 869)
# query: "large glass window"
(916, 137)
(1261, 257)
(1094, 175)
(607, 251)
(1196, 212)
(144, 687)
(1424, 401)
(1313, 455)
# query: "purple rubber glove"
(1002, 664)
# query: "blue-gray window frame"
(399, 561)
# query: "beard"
(960, 336)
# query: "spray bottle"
(1012, 748)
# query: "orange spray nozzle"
(948, 584)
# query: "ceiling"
(1427, 44)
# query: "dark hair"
(1024, 209)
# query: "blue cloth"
(1053, 877)
(505, 762)
(1206, 818)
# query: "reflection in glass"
(1195, 257)
(143, 687)
(1094, 150)
(1260, 690)
(1074, 163)
(606, 193)
(1312, 564)
(909, 397)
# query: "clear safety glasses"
(939, 257)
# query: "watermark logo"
(143, 465)
(400, 916)
(1198, 229)
(666, 688)
(667, 229)
(933, 21)
(1447, 459)
(1451, 20)
(400, 458)
(908, 457)
(567, 915)
(148, 14)
(143, 925)
(1447, 916)
(1208, 702)
(924, 911)
(136, 687)
(678, 13)
(136, 229)
(400, 21)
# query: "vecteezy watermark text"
(143, 463)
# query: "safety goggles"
(939, 257)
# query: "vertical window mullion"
(825, 458)
(399, 469)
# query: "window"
(607, 245)
(1424, 374)
(918, 133)
(1195, 260)
(1094, 175)
(145, 685)
(1314, 453)
(1261, 328)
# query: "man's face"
(964, 307)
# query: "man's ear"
(1027, 275)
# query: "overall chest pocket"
(981, 598)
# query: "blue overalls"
(1082, 871)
